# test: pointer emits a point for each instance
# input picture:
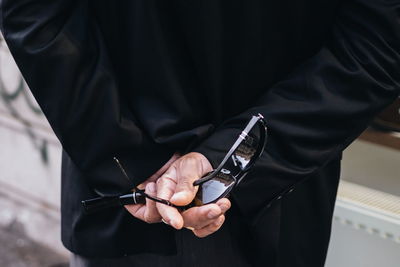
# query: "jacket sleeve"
(59, 49)
(323, 105)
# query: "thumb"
(190, 168)
(184, 191)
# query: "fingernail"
(224, 207)
(179, 195)
(213, 214)
(174, 223)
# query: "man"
(143, 80)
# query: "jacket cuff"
(215, 147)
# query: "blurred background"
(366, 226)
(30, 161)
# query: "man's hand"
(148, 212)
(176, 185)
(174, 182)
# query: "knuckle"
(165, 180)
(170, 173)
(160, 181)
(217, 224)
(185, 183)
(146, 219)
(189, 160)
(200, 234)
(215, 227)
(151, 218)
(196, 225)
(188, 222)
(221, 220)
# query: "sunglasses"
(214, 185)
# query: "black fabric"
(141, 80)
(216, 250)
(274, 240)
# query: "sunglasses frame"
(237, 178)
(138, 195)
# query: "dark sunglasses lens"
(246, 151)
(214, 189)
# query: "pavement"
(17, 250)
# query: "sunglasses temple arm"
(100, 203)
(227, 156)
(242, 136)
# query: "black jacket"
(142, 79)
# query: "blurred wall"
(30, 160)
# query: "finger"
(189, 170)
(199, 217)
(151, 214)
(224, 204)
(211, 228)
(165, 189)
(136, 210)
